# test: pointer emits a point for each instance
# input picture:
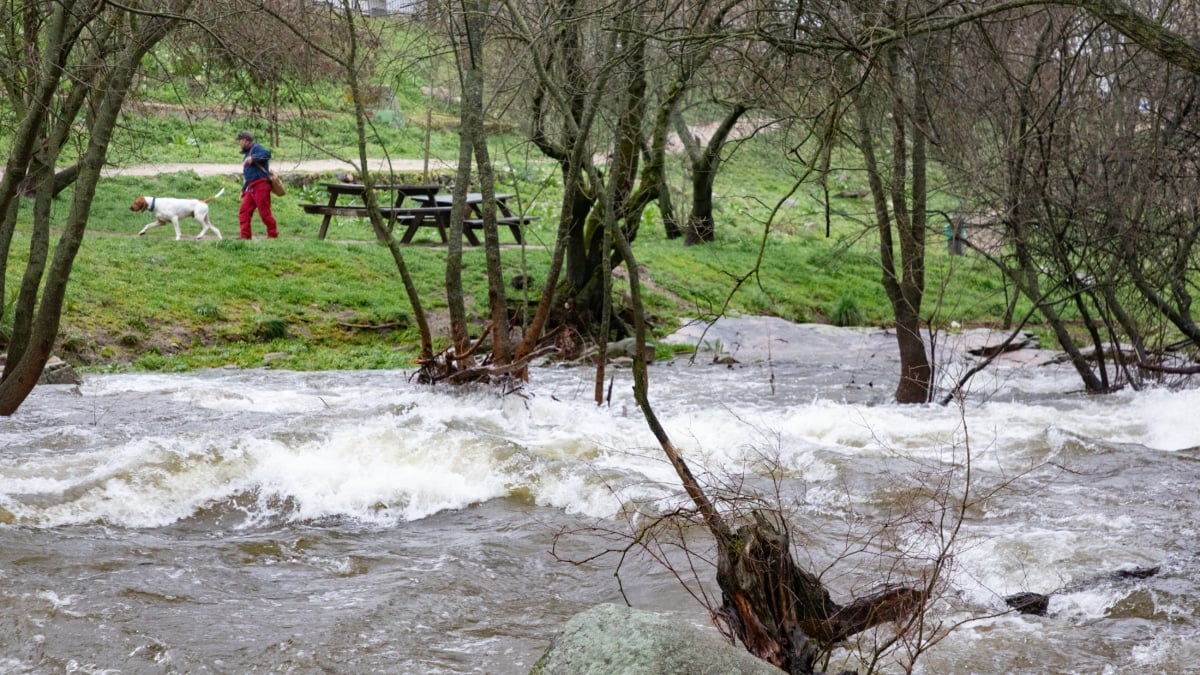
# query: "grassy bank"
(153, 303)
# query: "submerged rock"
(1029, 603)
(56, 371)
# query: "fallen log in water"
(1038, 603)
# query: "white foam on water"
(1162, 419)
(373, 448)
(352, 448)
(1087, 605)
(377, 458)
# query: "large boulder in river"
(616, 640)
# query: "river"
(236, 521)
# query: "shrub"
(845, 312)
(268, 328)
(209, 311)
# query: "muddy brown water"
(234, 521)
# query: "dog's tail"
(215, 196)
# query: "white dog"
(170, 210)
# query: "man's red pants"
(257, 197)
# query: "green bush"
(267, 328)
(845, 313)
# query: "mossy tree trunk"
(469, 53)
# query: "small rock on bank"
(616, 640)
(58, 371)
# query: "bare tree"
(881, 100)
(263, 67)
(705, 165)
(1078, 139)
(339, 37)
(86, 57)
(593, 102)
(468, 31)
(901, 224)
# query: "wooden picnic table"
(391, 209)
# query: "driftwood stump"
(782, 613)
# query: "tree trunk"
(904, 278)
(701, 226)
(351, 63)
(478, 12)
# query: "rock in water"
(1029, 603)
(611, 639)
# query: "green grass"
(153, 303)
(162, 304)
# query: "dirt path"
(703, 133)
(280, 165)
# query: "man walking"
(256, 190)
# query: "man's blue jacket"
(260, 167)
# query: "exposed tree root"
(452, 368)
(784, 614)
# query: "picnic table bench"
(474, 203)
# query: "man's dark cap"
(246, 135)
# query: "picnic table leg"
(514, 227)
(469, 233)
(442, 223)
(411, 230)
(328, 216)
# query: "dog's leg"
(147, 227)
(178, 232)
(208, 226)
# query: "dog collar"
(152, 200)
